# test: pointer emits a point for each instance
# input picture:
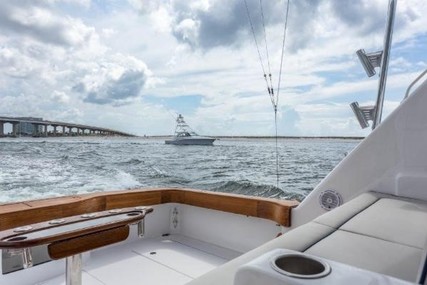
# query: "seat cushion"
(398, 221)
(298, 239)
(374, 231)
(341, 215)
(370, 253)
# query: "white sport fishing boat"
(184, 135)
(365, 223)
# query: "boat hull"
(191, 141)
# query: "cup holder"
(18, 238)
(300, 266)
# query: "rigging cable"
(283, 49)
(278, 90)
(274, 99)
(257, 47)
(253, 33)
(271, 90)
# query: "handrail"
(414, 82)
(384, 63)
(68, 228)
(72, 236)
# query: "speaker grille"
(330, 199)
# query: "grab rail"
(384, 64)
(414, 82)
(70, 237)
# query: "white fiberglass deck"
(167, 260)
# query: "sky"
(134, 65)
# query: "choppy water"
(32, 168)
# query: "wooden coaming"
(30, 212)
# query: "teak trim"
(70, 228)
(69, 247)
(19, 214)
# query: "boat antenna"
(174, 116)
(274, 98)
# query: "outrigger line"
(269, 82)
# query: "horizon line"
(265, 137)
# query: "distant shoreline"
(216, 137)
(271, 137)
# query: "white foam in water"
(126, 180)
(121, 180)
(32, 168)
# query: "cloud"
(187, 30)
(128, 85)
(288, 121)
(113, 79)
(146, 6)
(37, 21)
(15, 64)
(162, 20)
(81, 3)
(133, 62)
(225, 23)
(206, 25)
(60, 97)
(364, 16)
(219, 23)
(63, 56)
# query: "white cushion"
(399, 221)
(298, 239)
(370, 253)
(374, 231)
(342, 214)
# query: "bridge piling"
(15, 129)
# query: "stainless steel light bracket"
(363, 114)
(370, 60)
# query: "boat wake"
(247, 187)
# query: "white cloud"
(115, 79)
(188, 30)
(41, 23)
(80, 3)
(162, 20)
(60, 97)
(114, 55)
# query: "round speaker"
(330, 199)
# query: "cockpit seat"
(377, 232)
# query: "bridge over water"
(37, 127)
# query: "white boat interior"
(173, 259)
(175, 249)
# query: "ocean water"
(33, 168)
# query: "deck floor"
(167, 260)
